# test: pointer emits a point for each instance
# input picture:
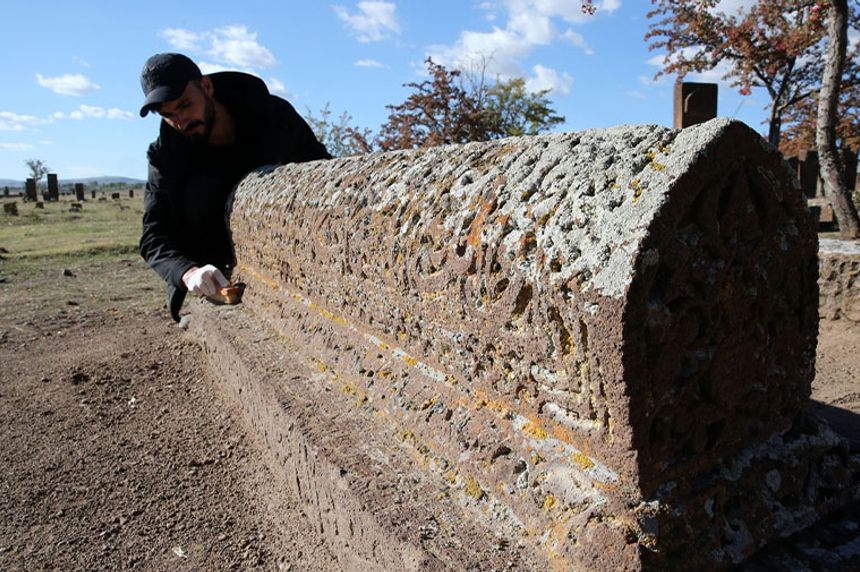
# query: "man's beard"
(201, 137)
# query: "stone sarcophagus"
(587, 350)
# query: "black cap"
(164, 77)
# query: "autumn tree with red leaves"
(771, 46)
(795, 50)
(451, 108)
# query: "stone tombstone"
(53, 193)
(603, 342)
(5, 191)
(93, 194)
(807, 172)
(30, 187)
(79, 191)
(114, 196)
(10, 208)
(131, 193)
(694, 103)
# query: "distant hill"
(12, 183)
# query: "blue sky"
(70, 69)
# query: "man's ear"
(206, 84)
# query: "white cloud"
(116, 113)
(69, 84)
(15, 122)
(374, 21)
(368, 64)
(208, 67)
(529, 24)
(94, 112)
(577, 40)
(15, 146)
(232, 47)
(548, 78)
(238, 46)
(183, 40)
(636, 94)
(277, 87)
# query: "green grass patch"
(111, 226)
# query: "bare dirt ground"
(118, 449)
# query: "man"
(214, 130)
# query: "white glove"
(204, 281)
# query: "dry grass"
(100, 229)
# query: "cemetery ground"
(119, 449)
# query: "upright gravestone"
(5, 191)
(131, 193)
(53, 193)
(93, 194)
(807, 172)
(30, 189)
(694, 103)
(79, 191)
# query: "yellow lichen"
(637, 189)
(410, 361)
(534, 430)
(549, 502)
(581, 461)
(473, 489)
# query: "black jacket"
(188, 184)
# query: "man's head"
(175, 88)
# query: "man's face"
(192, 113)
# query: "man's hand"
(204, 281)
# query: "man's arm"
(158, 240)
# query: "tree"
(513, 111)
(774, 45)
(38, 169)
(452, 107)
(832, 171)
(440, 111)
(799, 121)
(339, 137)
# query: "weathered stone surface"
(599, 342)
(839, 280)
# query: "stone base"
(383, 502)
(364, 483)
(839, 279)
